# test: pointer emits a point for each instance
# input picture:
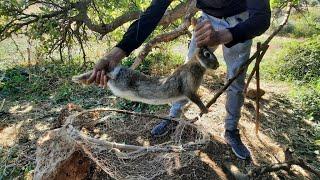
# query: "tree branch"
(78, 13)
(264, 169)
(169, 17)
(166, 37)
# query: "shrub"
(309, 98)
(45, 81)
(313, 2)
(143, 67)
(301, 61)
(301, 24)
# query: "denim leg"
(176, 108)
(234, 57)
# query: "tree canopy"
(60, 24)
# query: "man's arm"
(144, 26)
(257, 23)
(132, 39)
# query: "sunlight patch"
(22, 109)
(143, 141)
(42, 126)
(8, 136)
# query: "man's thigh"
(234, 58)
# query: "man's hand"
(206, 35)
(105, 65)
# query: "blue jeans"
(234, 57)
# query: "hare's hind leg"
(195, 99)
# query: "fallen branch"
(182, 121)
(82, 139)
(126, 151)
(282, 166)
(264, 169)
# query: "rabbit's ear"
(82, 78)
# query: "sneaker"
(163, 128)
(239, 149)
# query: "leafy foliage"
(302, 24)
(59, 25)
(45, 81)
(281, 3)
(301, 61)
(309, 97)
(298, 63)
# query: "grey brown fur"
(181, 84)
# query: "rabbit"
(181, 84)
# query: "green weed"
(301, 61)
(305, 24)
(46, 81)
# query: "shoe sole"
(165, 133)
(239, 156)
(161, 135)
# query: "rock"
(53, 150)
(252, 93)
(59, 157)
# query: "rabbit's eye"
(207, 54)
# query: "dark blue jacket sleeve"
(139, 30)
(257, 23)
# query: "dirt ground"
(282, 127)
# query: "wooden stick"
(257, 65)
(267, 41)
(229, 82)
(256, 172)
(264, 46)
(253, 72)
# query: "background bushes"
(300, 25)
(301, 61)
